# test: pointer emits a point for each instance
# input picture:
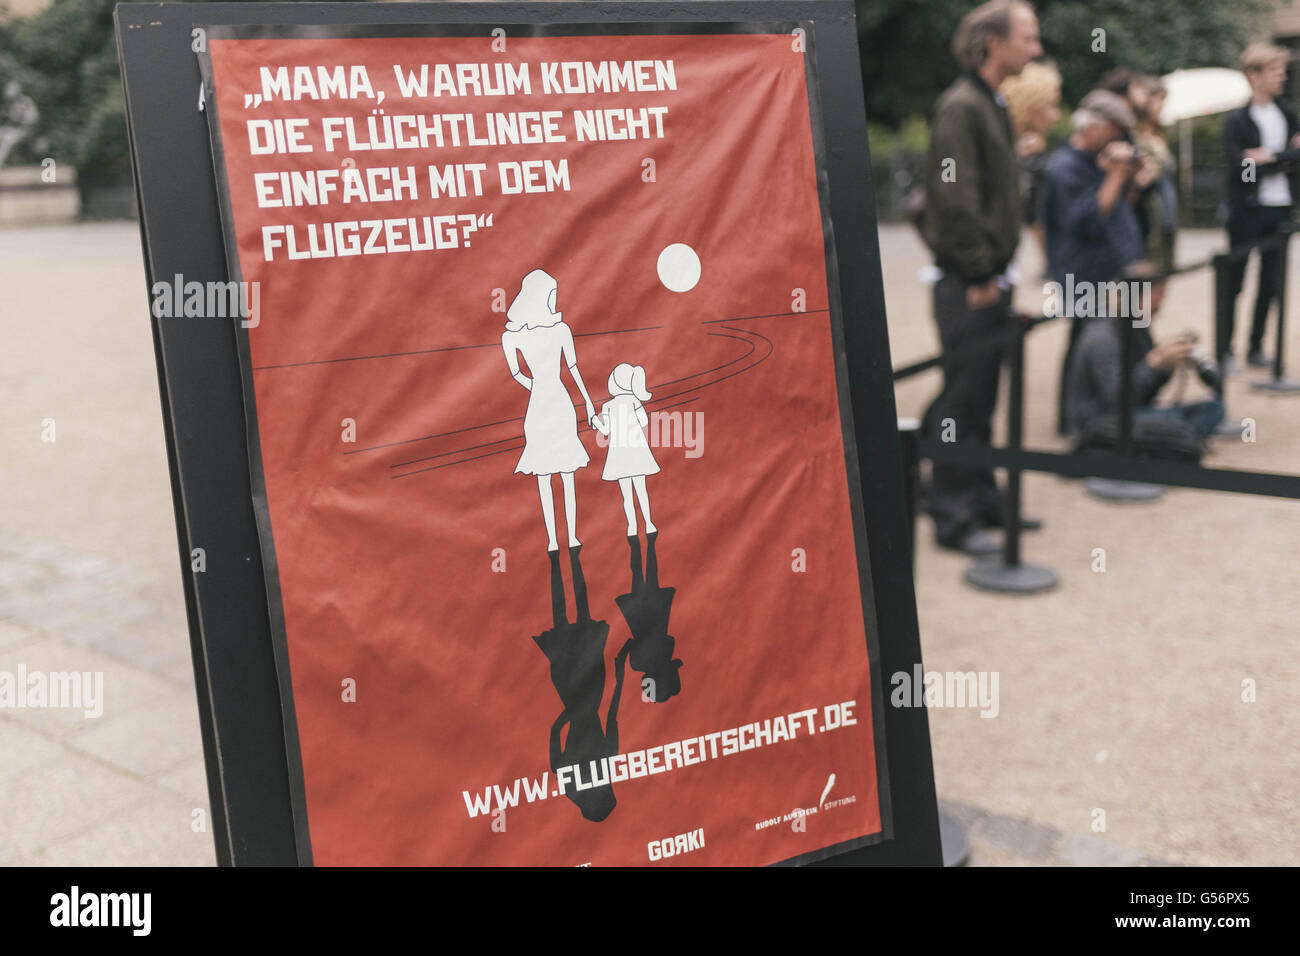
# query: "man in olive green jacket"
(972, 225)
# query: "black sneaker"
(977, 543)
(1259, 360)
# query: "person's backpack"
(1153, 439)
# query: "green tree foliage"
(907, 60)
(65, 58)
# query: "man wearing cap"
(1092, 231)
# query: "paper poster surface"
(552, 452)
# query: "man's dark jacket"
(1240, 133)
(1080, 240)
(972, 220)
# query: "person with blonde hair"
(1034, 102)
(1261, 143)
(622, 420)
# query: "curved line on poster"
(506, 421)
(446, 348)
(502, 451)
(415, 461)
(742, 332)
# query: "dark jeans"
(963, 499)
(1246, 223)
(1204, 417)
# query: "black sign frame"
(249, 769)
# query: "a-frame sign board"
(360, 223)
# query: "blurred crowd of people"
(1103, 207)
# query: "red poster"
(551, 438)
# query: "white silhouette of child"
(628, 459)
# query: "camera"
(1207, 369)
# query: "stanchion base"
(1113, 490)
(953, 840)
(1276, 385)
(991, 574)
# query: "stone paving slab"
(125, 688)
(188, 779)
(144, 741)
(62, 797)
(160, 832)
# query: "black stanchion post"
(1128, 353)
(1279, 382)
(1015, 439)
(1006, 573)
(1109, 488)
(1222, 309)
(1223, 306)
(1281, 307)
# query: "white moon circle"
(679, 267)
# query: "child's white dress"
(628, 454)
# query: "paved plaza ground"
(1119, 692)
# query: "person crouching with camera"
(1093, 381)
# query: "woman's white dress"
(551, 443)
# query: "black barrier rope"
(1106, 465)
(1239, 251)
(970, 353)
(907, 371)
(1010, 574)
(1218, 262)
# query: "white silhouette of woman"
(536, 330)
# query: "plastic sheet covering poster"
(551, 442)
